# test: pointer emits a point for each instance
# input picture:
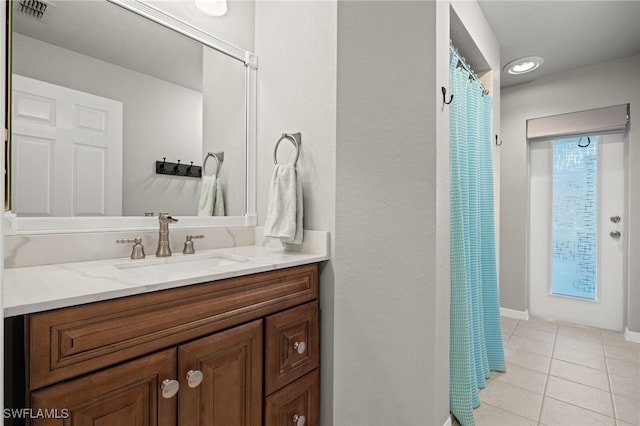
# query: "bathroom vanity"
(229, 339)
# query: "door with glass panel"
(576, 230)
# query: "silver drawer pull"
(299, 420)
(194, 378)
(300, 347)
(169, 388)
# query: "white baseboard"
(448, 422)
(631, 336)
(512, 313)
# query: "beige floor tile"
(508, 324)
(622, 353)
(540, 324)
(623, 368)
(581, 344)
(540, 348)
(626, 386)
(617, 338)
(524, 378)
(556, 413)
(621, 423)
(526, 359)
(580, 357)
(488, 415)
(534, 334)
(627, 409)
(580, 374)
(580, 332)
(580, 395)
(513, 399)
(612, 336)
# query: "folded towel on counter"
(211, 199)
(285, 207)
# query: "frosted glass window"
(574, 217)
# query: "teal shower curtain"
(476, 335)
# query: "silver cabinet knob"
(169, 388)
(299, 420)
(194, 378)
(615, 219)
(300, 347)
(615, 234)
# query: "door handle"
(615, 234)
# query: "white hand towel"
(218, 206)
(285, 206)
(211, 199)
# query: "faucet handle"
(188, 244)
(137, 251)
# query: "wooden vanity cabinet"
(244, 351)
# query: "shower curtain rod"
(463, 62)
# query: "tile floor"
(561, 374)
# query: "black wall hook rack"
(178, 169)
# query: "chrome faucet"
(164, 249)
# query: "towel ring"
(296, 140)
(219, 156)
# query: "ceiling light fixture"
(212, 7)
(524, 65)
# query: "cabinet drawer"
(128, 394)
(68, 342)
(296, 404)
(291, 345)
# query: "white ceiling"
(568, 34)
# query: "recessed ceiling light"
(524, 65)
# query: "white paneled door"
(576, 236)
(66, 151)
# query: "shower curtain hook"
(444, 96)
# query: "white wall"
(375, 173)
(606, 84)
(167, 124)
(296, 45)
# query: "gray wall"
(391, 321)
(597, 86)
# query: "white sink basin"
(180, 264)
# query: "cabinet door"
(230, 364)
(296, 404)
(126, 395)
(292, 345)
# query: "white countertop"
(39, 288)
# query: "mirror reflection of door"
(67, 151)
